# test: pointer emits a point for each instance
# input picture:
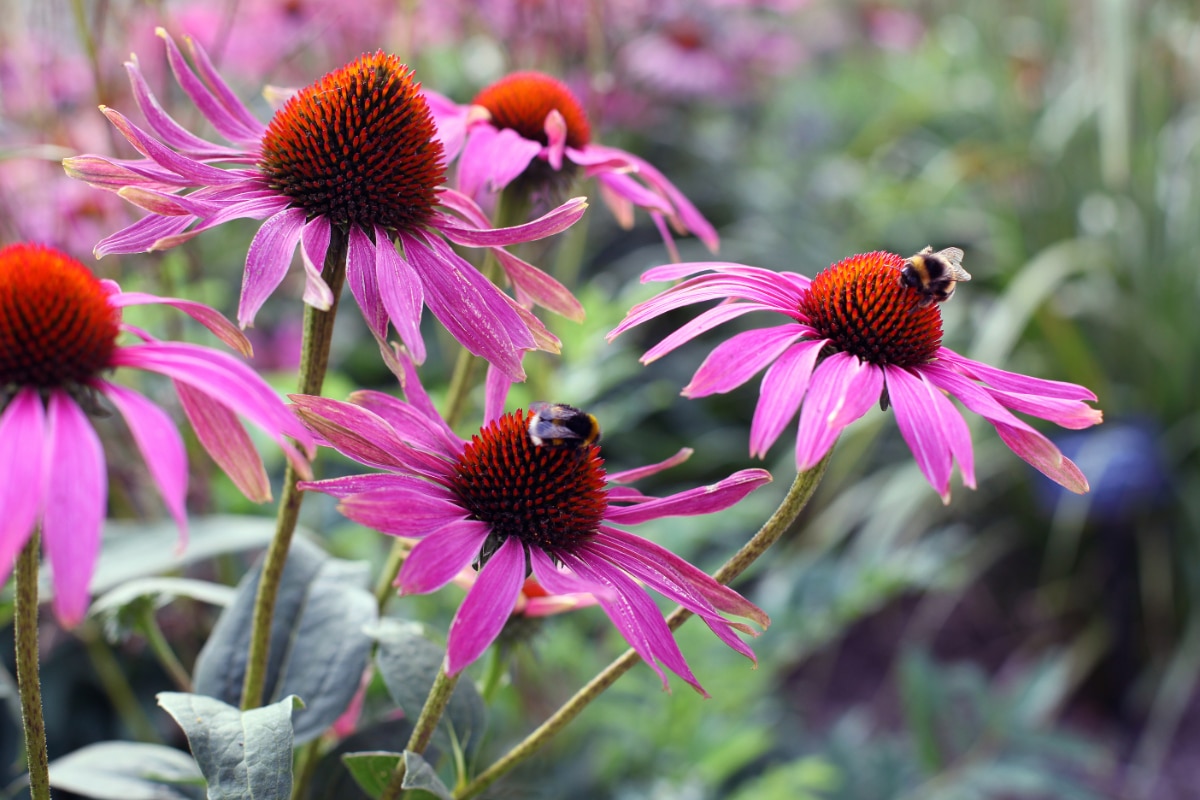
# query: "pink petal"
(362, 278)
(550, 223)
(418, 398)
(631, 475)
(695, 327)
(843, 388)
(412, 512)
(22, 473)
(226, 442)
(783, 389)
(401, 293)
(492, 158)
(486, 607)
(556, 138)
(702, 500)
(314, 246)
(213, 97)
(161, 446)
(739, 358)
(210, 318)
(919, 417)
(409, 423)
(170, 131)
(356, 432)
(267, 261)
(437, 558)
(495, 394)
(539, 287)
(350, 485)
(141, 236)
(76, 493)
(1073, 414)
(1014, 382)
(450, 119)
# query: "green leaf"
(128, 771)
(418, 774)
(330, 778)
(244, 755)
(319, 644)
(408, 663)
(372, 770)
(121, 608)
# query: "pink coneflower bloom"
(353, 157)
(58, 336)
(855, 337)
(507, 505)
(529, 129)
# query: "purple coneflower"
(58, 335)
(857, 337)
(509, 506)
(352, 156)
(529, 128)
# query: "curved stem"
(163, 652)
(793, 503)
(28, 679)
(431, 714)
(314, 360)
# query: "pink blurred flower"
(58, 335)
(855, 336)
(529, 129)
(507, 505)
(353, 155)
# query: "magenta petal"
(76, 492)
(418, 398)
(408, 422)
(450, 119)
(141, 236)
(486, 607)
(1043, 456)
(210, 318)
(738, 358)
(361, 277)
(401, 293)
(919, 417)
(637, 473)
(842, 389)
(555, 128)
(701, 500)
(353, 431)
(1013, 382)
(543, 290)
(695, 327)
(350, 485)
(491, 158)
(227, 443)
(413, 511)
(783, 389)
(161, 446)
(556, 221)
(267, 261)
(441, 555)
(22, 476)
(314, 245)
(495, 394)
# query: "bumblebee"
(561, 425)
(933, 275)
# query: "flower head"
(509, 507)
(529, 129)
(856, 336)
(353, 159)
(58, 336)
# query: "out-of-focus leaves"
(244, 755)
(371, 770)
(804, 779)
(332, 780)
(319, 645)
(128, 771)
(420, 776)
(122, 608)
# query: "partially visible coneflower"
(352, 157)
(508, 506)
(856, 336)
(58, 337)
(529, 129)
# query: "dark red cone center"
(358, 147)
(861, 307)
(522, 100)
(548, 496)
(56, 325)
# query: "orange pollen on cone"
(56, 325)
(358, 147)
(522, 100)
(548, 496)
(861, 307)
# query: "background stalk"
(28, 678)
(314, 360)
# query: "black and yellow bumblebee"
(561, 425)
(933, 275)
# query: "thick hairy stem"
(28, 677)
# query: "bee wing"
(953, 257)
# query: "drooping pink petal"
(541, 289)
(843, 388)
(413, 511)
(362, 278)
(492, 158)
(739, 358)
(210, 318)
(701, 500)
(197, 173)
(495, 393)
(699, 325)
(161, 447)
(913, 400)
(1071, 414)
(314, 245)
(631, 475)
(1014, 382)
(550, 223)
(141, 236)
(401, 293)
(267, 261)
(557, 579)
(486, 607)
(450, 119)
(471, 307)
(227, 443)
(783, 388)
(76, 494)
(418, 398)
(437, 558)
(947, 417)
(22, 473)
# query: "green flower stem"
(116, 684)
(306, 765)
(431, 714)
(793, 503)
(28, 679)
(163, 652)
(314, 360)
